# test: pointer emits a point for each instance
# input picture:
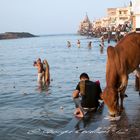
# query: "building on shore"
(118, 16)
(122, 19)
(111, 14)
(115, 17)
(85, 27)
(136, 15)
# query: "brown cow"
(122, 59)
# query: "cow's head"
(110, 97)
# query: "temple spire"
(86, 18)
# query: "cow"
(122, 59)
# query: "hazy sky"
(51, 16)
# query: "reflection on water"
(27, 113)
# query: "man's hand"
(75, 94)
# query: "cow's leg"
(137, 79)
(136, 83)
(118, 103)
(124, 81)
(122, 95)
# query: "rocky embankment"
(15, 35)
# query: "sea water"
(24, 108)
(29, 113)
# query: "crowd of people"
(89, 43)
(121, 27)
(112, 33)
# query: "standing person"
(90, 94)
(117, 35)
(109, 35)
(68, 44)
(101, 48)
(90, 45)
(78, 43)
(46, 72)
(102, 40)
(38, 64)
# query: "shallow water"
(28, 113)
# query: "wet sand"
(99, 126)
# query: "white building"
(136, 11)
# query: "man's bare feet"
(78, 113)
